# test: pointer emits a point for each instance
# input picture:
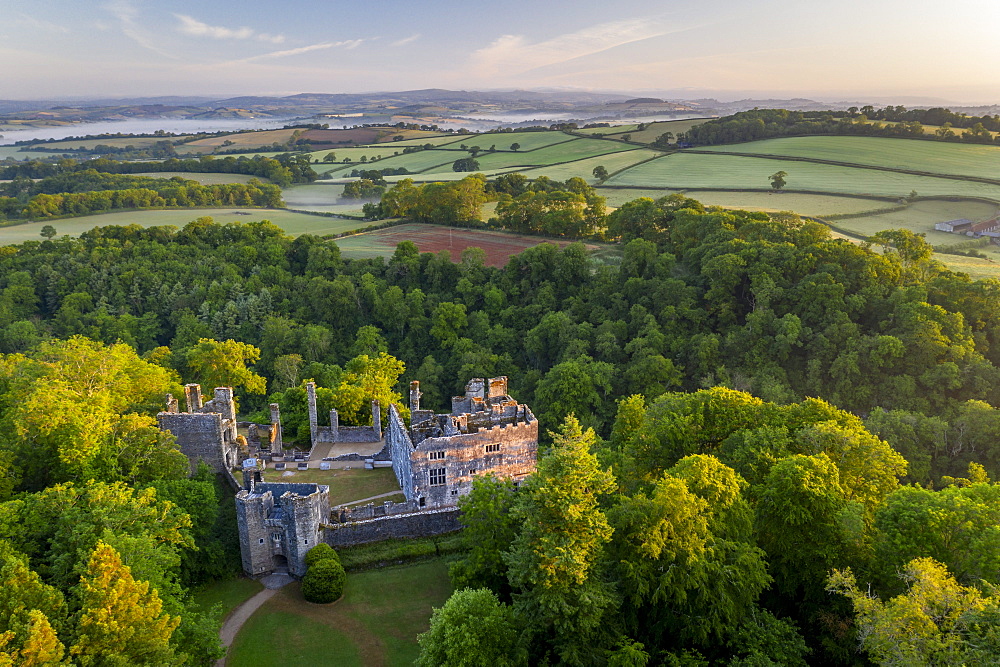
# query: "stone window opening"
(262, 540)
(438, 476)
(423, 501)
(454, 492)
(493, 447)
(434, 456)
(472, 471)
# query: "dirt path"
(240, 615)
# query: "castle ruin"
(487, 432)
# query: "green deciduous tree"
(224, 364)
(472, 629)
(778, 180)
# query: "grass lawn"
(376, 623)
(230, 593)
(726, 172)
(323, 197)
(293, 223)
(345, 485)
(205, 179)
(913, 154)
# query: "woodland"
(762, 445)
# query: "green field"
(575, 149)
(726, 172)
(654, 130)
(803, 204)
(503, 140)
(16, 153)
(345, 485)
(920, 217)
(375, 623)
(120, 142)
(912, 154)
(415, 162)
(293, 223)
(605, 131)
(585, 168)
(205, 179)
(324, 197)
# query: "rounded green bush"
(324, 581)
(320, 552)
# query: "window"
(437, 476)
(434, 456)
(305, 541)
(262, 540)
(275, 536)
(494, 447)
(454, 492)
(423, 501)
(472, 471)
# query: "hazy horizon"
(885, 50)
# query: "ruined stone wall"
(400, 526)
(252, 511)
(397, 439)
(468, 455)
(201, 438)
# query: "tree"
(465, 164)
(472, 629)
(324, 581)
(601, 173)
(489, 528)
(778, 180)
(515, 146)
(935, 622)
(224, 364)
(553, 561)
(48, 231)
(330, 157)
(122, 621)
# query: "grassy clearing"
(975, 267)
(230, 594)
(920, 217)
(16, 153)
(205, 179)
(399, 551)
(912, 154)
(415, 162)
(375, 623)
(345, 485)
(293, 223)
(503, 140)
(726, 172)
(614, 129)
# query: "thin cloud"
(192, 26)
(40, 24)
(406, 40)
(511, 54)
(346, 44)
(127, 15)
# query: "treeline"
(771, 123)
(87, 192)
(282, 170)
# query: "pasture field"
(920, 217)
(240, 139)
(529, 141)
(16, 153)
(205, 179)
(574, 149)
(977, 268)
(121, 142)
(914, 154)
(375, 623)
(726, 172)
(415, 162)
(605, 131)
(321, 197)
(293, 223)
(499, 246)
(585, 168)
(654, 130)
(355, 153)
(803, 204)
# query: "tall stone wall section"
(256, 547)
(201, 438)
(397, 439)
(400, 526)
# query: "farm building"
(957, 226)
(984, 228)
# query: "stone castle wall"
(400, 526)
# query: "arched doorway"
(280, 564)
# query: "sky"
(847, 49)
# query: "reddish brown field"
(499, 246)
(353, 136)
